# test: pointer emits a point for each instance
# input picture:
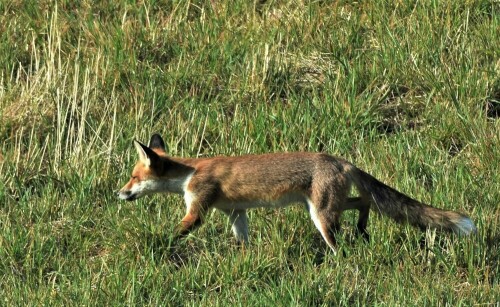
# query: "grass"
(409, 92)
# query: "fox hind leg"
(327, 222)
(363, 207)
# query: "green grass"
(408, 92)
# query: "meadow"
(407, 91)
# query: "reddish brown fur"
(322, 181)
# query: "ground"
(409, 92)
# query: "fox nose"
(123, 193)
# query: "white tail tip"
(465, 226)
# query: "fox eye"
(134, 177)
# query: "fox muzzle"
(126, 195)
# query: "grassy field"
(409, 92)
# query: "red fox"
(235, 184)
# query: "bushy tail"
(402, 208)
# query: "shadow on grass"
(316, 246)
(492, 259)
(164, 249)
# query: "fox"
(234, 184)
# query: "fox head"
(146, 174)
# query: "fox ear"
(146, 154)
(157, 142)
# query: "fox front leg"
(191, 221)
(197, 207)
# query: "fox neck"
(176, 178)
(176, 185)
